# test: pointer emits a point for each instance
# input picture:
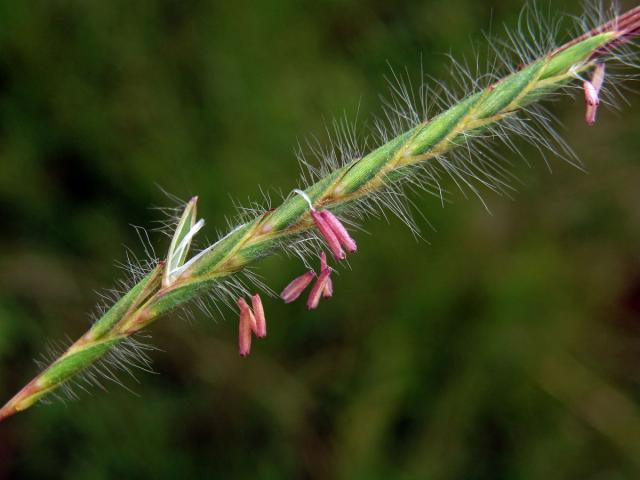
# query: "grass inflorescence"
(413, 150)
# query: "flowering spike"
(258, 312)
(420, 144)
(329, 235)
(340, 232)
(297, 286)
(318, 289)
(245, 327)
(328, 289)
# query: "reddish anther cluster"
(592, 93)
(334, 233)
(332, 230)
(250, 322)
(322, 288)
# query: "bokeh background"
(508, 347)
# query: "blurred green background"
(506, 348)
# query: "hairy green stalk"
(173, 283)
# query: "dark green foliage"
(462, 359)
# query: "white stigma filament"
(306, 197)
